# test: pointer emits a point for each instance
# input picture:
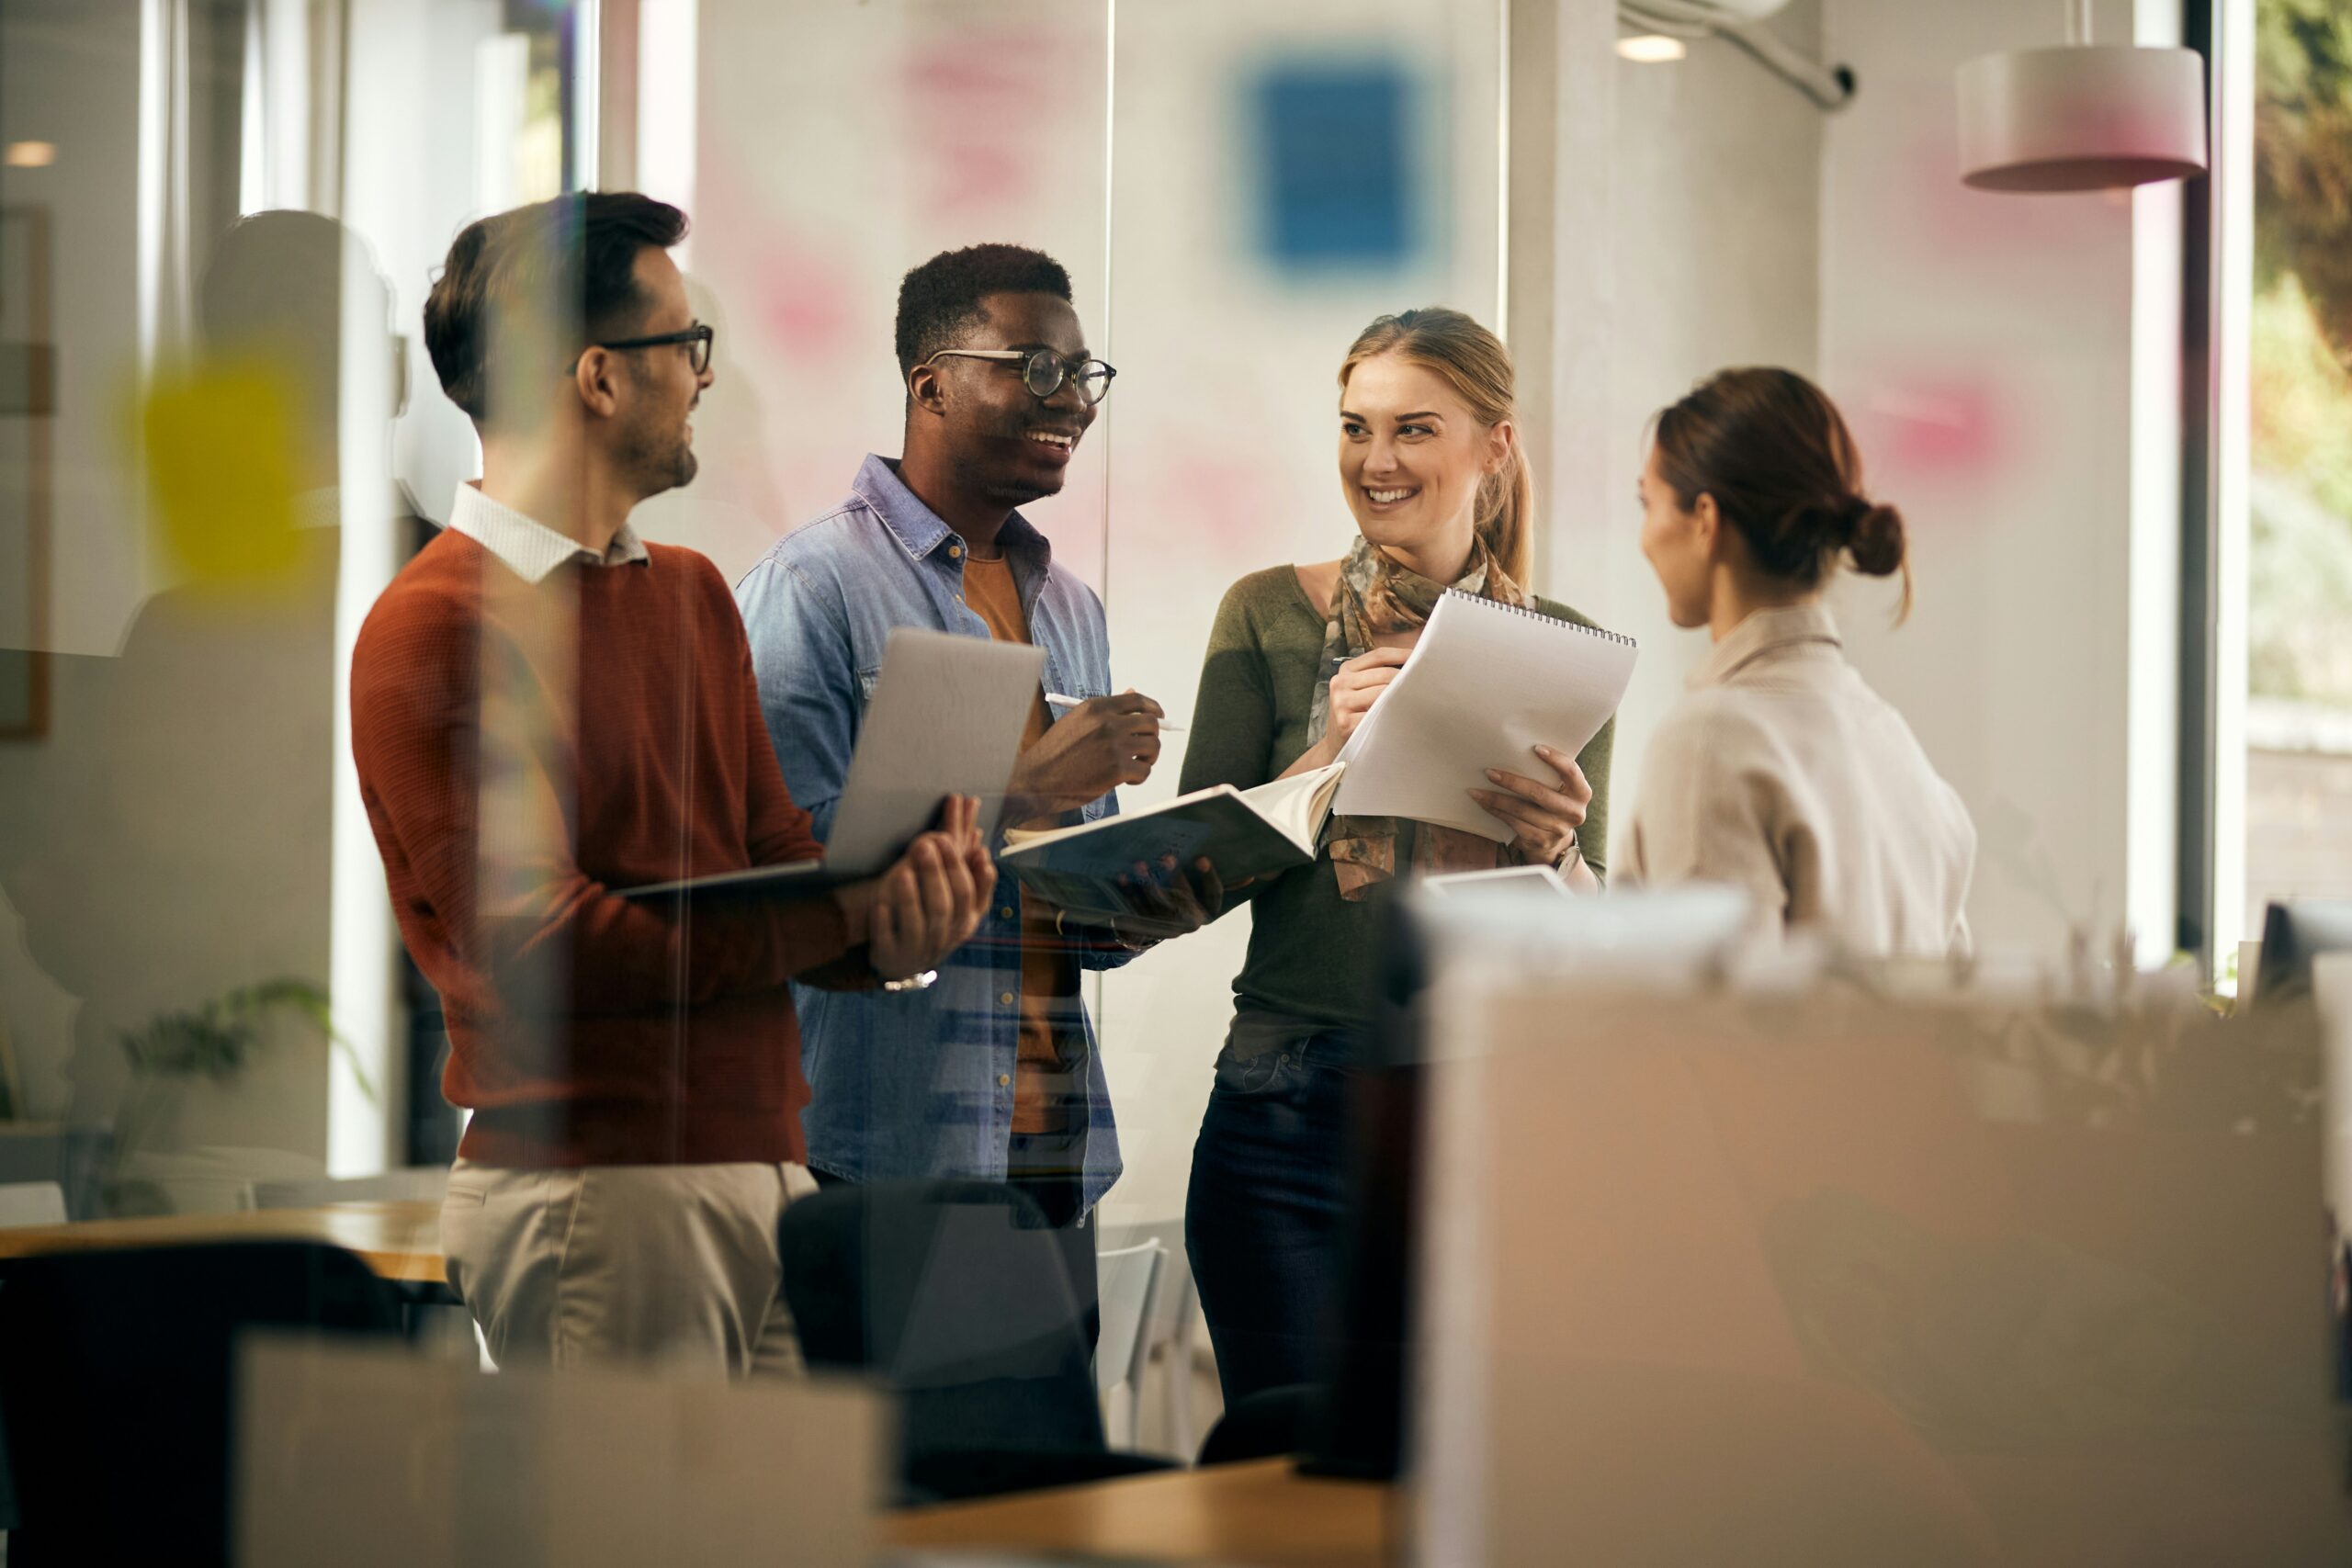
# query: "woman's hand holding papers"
(929, 903)
(1544, 818)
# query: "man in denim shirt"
(991, 1073)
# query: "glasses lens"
(702, 350)
(1093, 380)
(1043, 374)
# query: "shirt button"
(1002, 1079)
(1005, 998)
(954, 550)
(1006, 913)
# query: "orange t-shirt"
(1044, 1084)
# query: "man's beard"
(663, 465)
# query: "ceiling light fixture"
(2084, 116)
(1661, 25)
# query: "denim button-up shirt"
(912, 1083)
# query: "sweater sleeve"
(1233, 713)
(452, 766)
(1592, 839)
(1232, 739)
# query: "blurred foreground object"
(1870, 1269)
(359, 1454)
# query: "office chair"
(1129, 1292)
(951, 1294)
(116, 1372)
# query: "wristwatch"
(921, 982)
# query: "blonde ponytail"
(1506, 516)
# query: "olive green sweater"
(1310, 950)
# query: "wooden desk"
(1263, 1514)
(400, 1241)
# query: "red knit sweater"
(585, 1030)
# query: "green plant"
(218, 1039)
(2303, 155)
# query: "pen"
(1055, 700)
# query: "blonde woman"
(1431, 470)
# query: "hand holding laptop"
(930, 901)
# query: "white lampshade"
(2081, 117)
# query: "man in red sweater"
(546, 709)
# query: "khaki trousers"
(672, 1266)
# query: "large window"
(2298, 495)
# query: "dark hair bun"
(1874, 538)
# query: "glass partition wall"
(1236, 189)
(220, 438)
(198, 962)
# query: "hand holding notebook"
(1484, 687)
(1241, 834)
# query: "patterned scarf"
(1376, 597)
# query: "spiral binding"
(1618, 638)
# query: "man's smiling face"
(1004, 441)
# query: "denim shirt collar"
(920, 530)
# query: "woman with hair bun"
(1781, 772)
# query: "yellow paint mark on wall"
(218, 445)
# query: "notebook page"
(1296, 805)
(1484, 685)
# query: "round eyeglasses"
(1042, 371)
(695, 339)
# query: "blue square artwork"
(1337, 178)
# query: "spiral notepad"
(1484, 685)
(1498, 607)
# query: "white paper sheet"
(1484, 687)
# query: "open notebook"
(1484, 687)
(1245, 833)
(944, 718)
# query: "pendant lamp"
(2086, 116)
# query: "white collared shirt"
(530, 548)
(1783, 774)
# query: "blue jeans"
(1265, 1220)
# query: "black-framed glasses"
(697, 340)
(1044, 372)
